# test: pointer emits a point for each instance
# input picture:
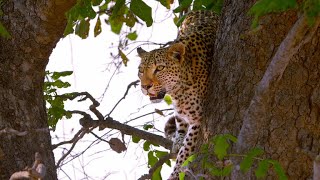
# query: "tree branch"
(300, 33)
(22, 133)
(128, 130)
(79, 136)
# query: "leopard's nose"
(146, 86)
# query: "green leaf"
(3, 32)
(204, 148)
(183, 5)
(57, 75)
(142, 10)
(116, 25)
(118, 8)
(117, 17)
(189, 160)
(160, 154)
(220, 146)
(216, 6)
(247, 162)
(182, 175)
(82, 29)
(146, 146)
(85, 9)
(135, 139)
(226, 171)
(263, 7)
(197, 5)
(231, 137)
(278, 169)
(96, 2)
(123, 57)
(312, 9)
(165, 3)
(68, 115)
(132, 36)
(167, 98)
(158, 112)
(69, 28)
(215, 171)
(130, 19)
(156, 174)
(97, 27)
(104, 6)
(179, 21)
(147, 126)
(151, 159)
(262, 168)
(60, 84)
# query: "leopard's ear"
(177, 51)
(141, 51)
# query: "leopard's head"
(160, 70)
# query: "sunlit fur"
(181, 70)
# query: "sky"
(89, 60)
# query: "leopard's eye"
(159, 68)
(140, 70)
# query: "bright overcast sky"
(89, 60)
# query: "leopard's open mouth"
(157, 98)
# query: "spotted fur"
(181, 70)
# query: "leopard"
(182, 70)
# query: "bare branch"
(76, 137)
(21, 133)
(128, 130)
(80, 136)
(254, 118)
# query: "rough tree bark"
(289, 129)
(35, 27)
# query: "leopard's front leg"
(187, 149)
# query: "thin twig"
(134, 83)
(169, 109)
(80, 136)
(75, 137)
(99, 137)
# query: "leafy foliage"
(223, 166)
(248, 160)
(311, 9)
(142, 10)
(153, 154)
(222, 145)
(263, 7)
(55, 102)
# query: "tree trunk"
(289, 129)
(35, 27)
